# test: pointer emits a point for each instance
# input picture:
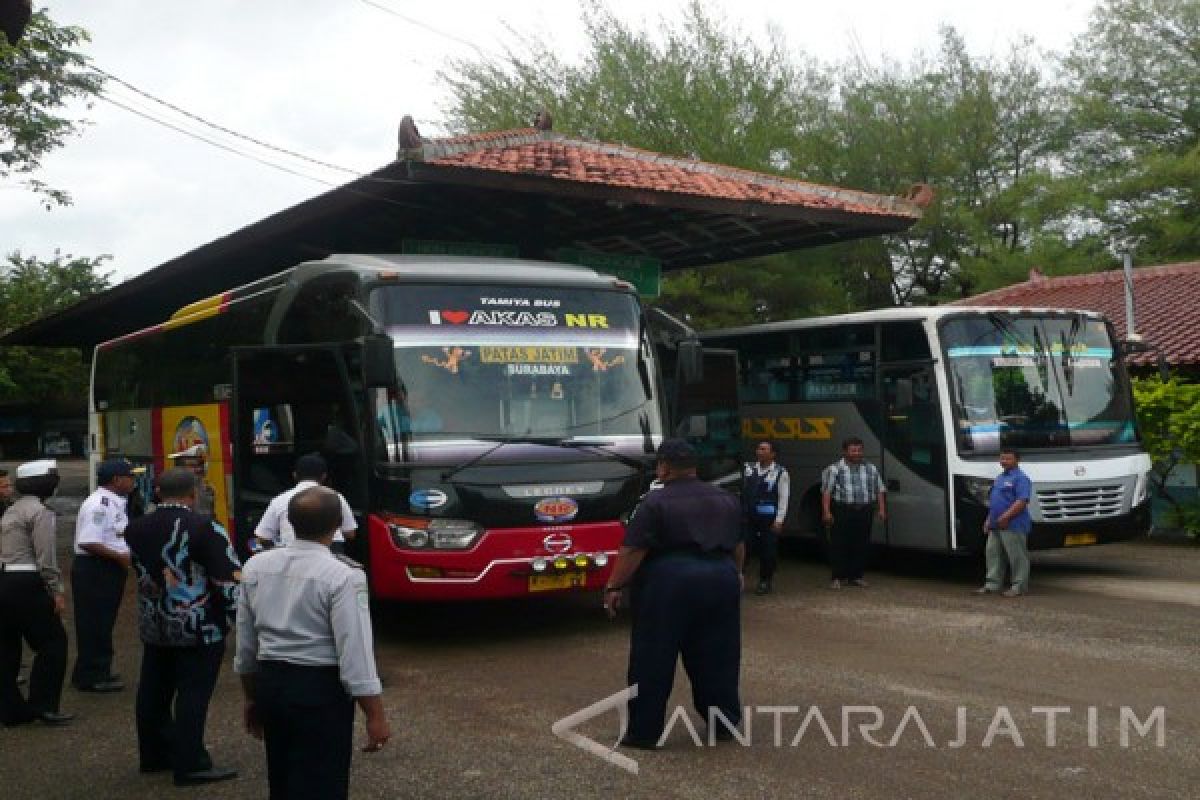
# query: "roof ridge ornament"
(411, 145)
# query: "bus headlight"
(1141, 489)
(978, 489)
(413, 538)
(600, 559)
(436, 534)
(454, 534)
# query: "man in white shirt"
(275, 529)
(98, 574)
(305, 656)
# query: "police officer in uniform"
(766, 488)
(32, 601)
(186, 575)
(98, 575)
(305, 655)
(682, 564)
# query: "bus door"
(914, 458)
(290, 400)
(707, 414)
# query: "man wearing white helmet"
(32, 601)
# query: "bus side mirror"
(691, 361)
(379, 362)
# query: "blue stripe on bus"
(1126, 429)
(996, 350)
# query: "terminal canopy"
(530, 193)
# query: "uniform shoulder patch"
(348, 561)
(103, 501)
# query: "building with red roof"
(1166, 305)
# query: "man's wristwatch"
(608, 589)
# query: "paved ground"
(473, 691)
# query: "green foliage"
(1169, 418)
(30, 289)
(1133, 132)
(39, 76)
(977, 129)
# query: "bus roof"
(888, 315)
(464, 269)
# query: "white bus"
(934, 393)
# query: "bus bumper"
(501, 564)
(1134, 524)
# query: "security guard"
(766, 488)
(305, 655)
(187, 579)
(98, 575)
(32, 601)
(682, 561)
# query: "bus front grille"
(1081, 502)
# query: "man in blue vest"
(765, 491)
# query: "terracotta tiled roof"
(529, 151)
(1166, 303)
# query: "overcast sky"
(331, 79)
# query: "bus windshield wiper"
(500, 441)
(602, 447)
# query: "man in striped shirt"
(851, 489)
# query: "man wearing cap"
(275, 530)
(32, 601)
(682, 564)
(98, 575)
(186, 575)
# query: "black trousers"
(850, 540)
(97, 585)
(172, 705)
(685, 606)
(763, 543)
(308, 728)
(27, 614)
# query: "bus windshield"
(1035, 382)
(519, 363)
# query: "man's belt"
(856, 506)
(19, 568)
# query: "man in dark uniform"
(32, 601)
(682, 561)
(305, 656)
(765, 492)
(186, 580)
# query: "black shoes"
(55, 718)
(108, 685)
(637, 744)
(211, 775)
(764, 587)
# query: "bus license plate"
(566, 580)
(1073, 539)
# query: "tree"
(1169, 420)
(1133, 133)
(39, 76)
(30, 289)
(700, 90)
